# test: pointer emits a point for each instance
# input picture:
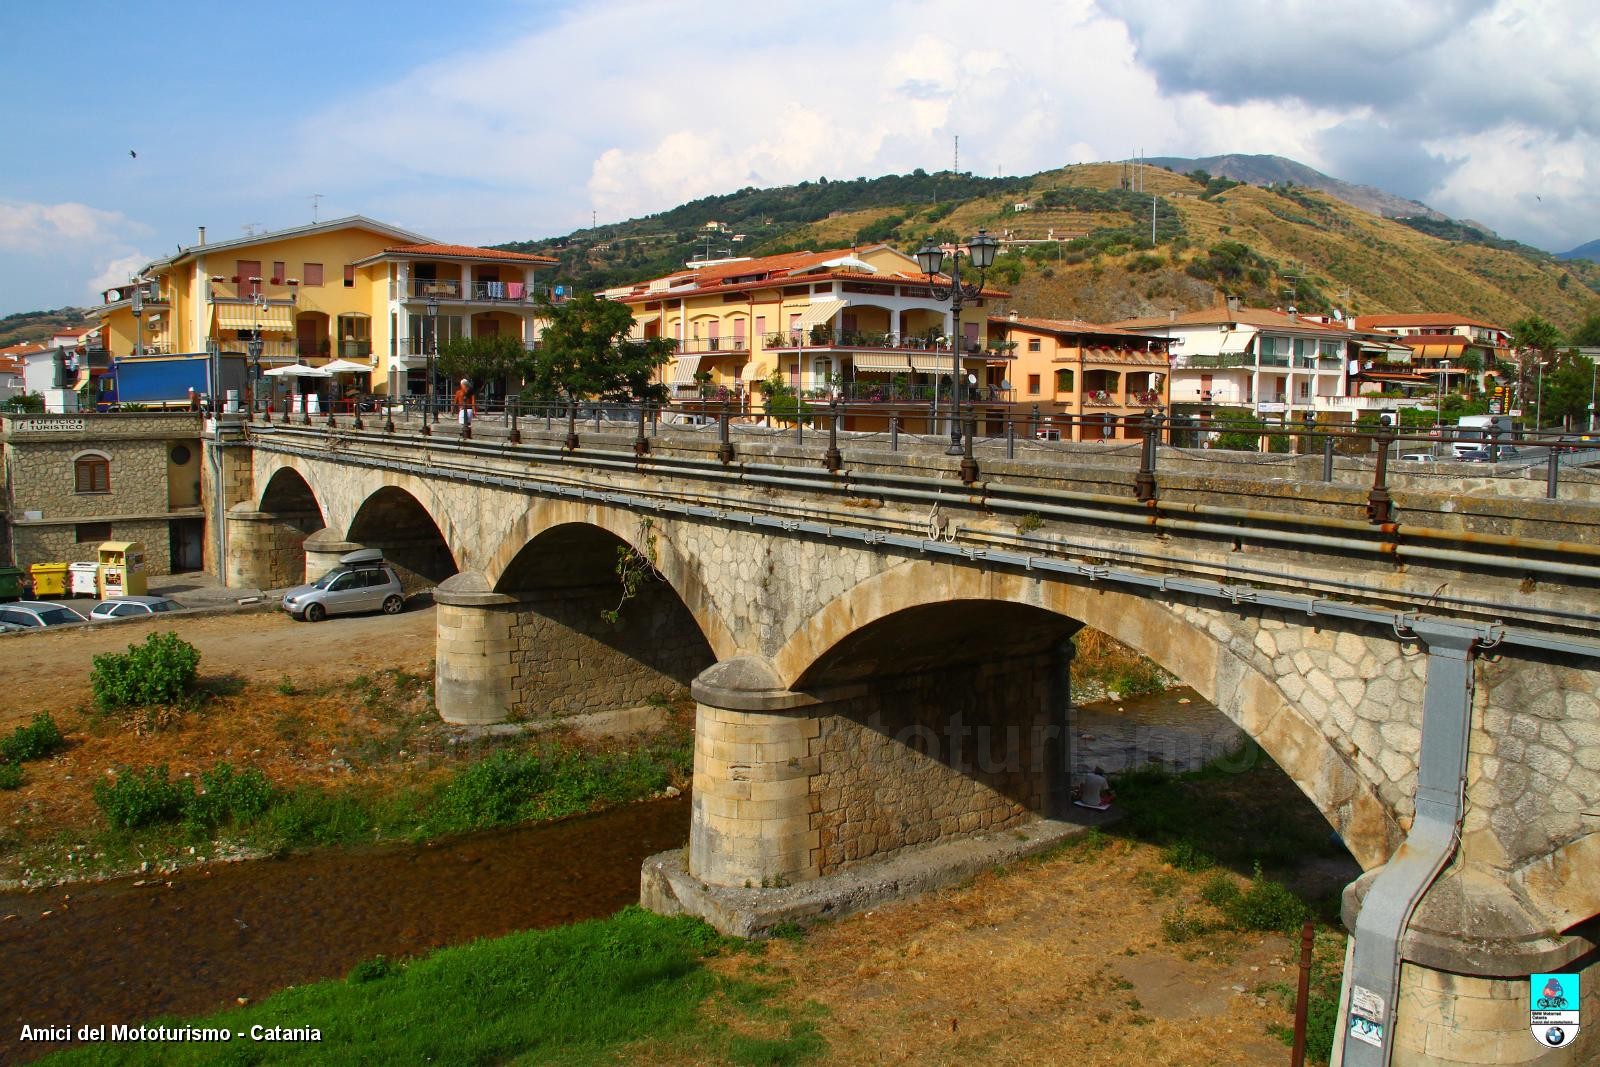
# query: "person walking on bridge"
(464, 403)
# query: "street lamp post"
(930, 257)
(1538, 403)
(433, 352)
(1593, 382)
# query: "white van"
(1472, 432)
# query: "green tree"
(586, 353)
(1535, 333)
(1568, 385)
(1588, 335)
(483, 359)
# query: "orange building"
(1088, 382)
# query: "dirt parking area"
(49, 671)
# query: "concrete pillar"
(265, 549)
(751, 822)
(475, 657)
(323, 550)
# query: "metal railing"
(1372, 454)
(870, 339)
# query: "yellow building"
(350, 288)
(856, 325)
(1088, 382)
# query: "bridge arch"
(391, 518)
(587, 638)
(666, 543)
(268, 540)
(839, 642)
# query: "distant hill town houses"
(860, 327)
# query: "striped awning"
(273, 318)
(881, 362)
(1236, 342)
(930, 362)
(818, 313)
(683, 369)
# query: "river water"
(130, 949)
(123, 952)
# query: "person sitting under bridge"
(1094, 792)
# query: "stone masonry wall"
(919, 759)
(53, 543)
(570, 661)
(41, 477)
(267, 550)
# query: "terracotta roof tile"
(1066, 326)
(468, 252)
(1423, 318)
(1260, 317)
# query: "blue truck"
(166, 381)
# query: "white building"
(1272, 363)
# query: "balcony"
(874, 340)
(418, 346)
(713, 346)
(1232, 359)
(480, 292)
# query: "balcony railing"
(706, 346)
(893, 392)
(419, 346)
(870, 339)
(1232, 359)
(480, 291)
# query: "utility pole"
(955, 165)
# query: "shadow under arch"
(393, 520)
(1250, 700)
(677, 564)
(590, 639)
(269, 544)
(288, 493)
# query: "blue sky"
(501, 120)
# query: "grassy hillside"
(37, 325)
(1092, 255)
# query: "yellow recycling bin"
(49, 579)
(122, 569)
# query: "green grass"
(1220, 815)
(572, 995)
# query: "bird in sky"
(132, 153)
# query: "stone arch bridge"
(879, 658)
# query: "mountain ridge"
(1078, 243)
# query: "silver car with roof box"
(361, 582)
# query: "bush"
(160, 671)
(371, 970)
(1266, 905)
(39, 738)
(1220, 891)
(143, 798)
(10, 775)
(228, 796)
(1186, 856)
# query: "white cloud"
(31, 227)
(115, 271)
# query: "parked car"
(129, 607)
(361, 582)
(1481, 455)
(35, 613)
(1417, 457)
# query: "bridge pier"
(322, 551)
(474, 650)
(829, 785)
(550, 651)
(265, 548)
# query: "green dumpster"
(10, 583)
(49, 579)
